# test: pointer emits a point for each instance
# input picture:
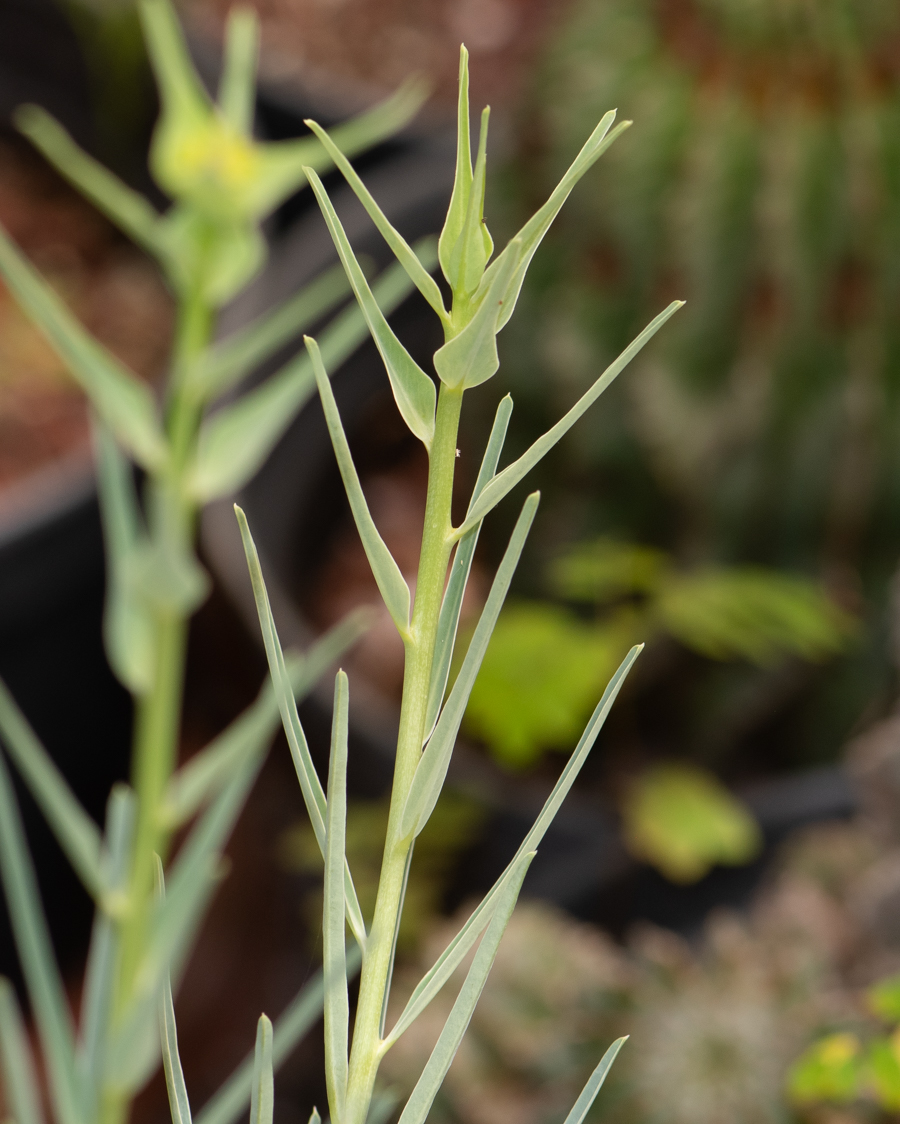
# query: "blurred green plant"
(681, 820)
(222, 183)
(766, 188)
(844, 1066)
(545, 661)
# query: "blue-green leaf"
(462, 183)
(179, 1105)
(334, 952)
(16, 1061)
(588, 1094)
(262, 1099)
(506, 480)
(413, 390)
(391, 583)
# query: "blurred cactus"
(764, 185)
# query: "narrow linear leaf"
(413, 390)
(238, 354)
(232, 1098)
(435, 978)
(470, 358)
(179, 86)
(474, 246)
(19, 1078)
(422, 1097)
(505, 481)
(594, 1083)
(390, 581)
(179, 1105)
(127, 208)
(74, 829)
(314, 1117)
(45, 987)
(532, 233)
(401, 249)
(236, 440)
(262, 1099)
(310, 786)
(448, 622)
(386, 997)
(202, 776)
(462, 182)
(237, 89)
(127, 623)
(334, 952)
(381, 1107)
(122, 400)
(432, 768)
(99, 976)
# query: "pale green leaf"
(532, 233)
(179, 1105)
(442, 969)
(448, 623)
(413, 390)
(404, 253)
(432, 768)
(180, 88)
(422, 1097)
(45, 987)
(262, 1098)
(122, 400)
(236, 440)
(505, 481)
(314, 1117)
(470, 358)
(594, 1083)
(310, 786)
(23, 1099)
(474, 246)
(127, 621)
(237, 88)
(462, 183)
(238, 354)
(74, 829)
(334, 952)
(391, 583)
(127, 208)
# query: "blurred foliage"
(546, 665)
(839, 1068)
(453, 824)
(683, 821)
(762, 185)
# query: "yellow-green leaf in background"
(830, 1070)
(751, 613)
(681, 820)
(883, 999)
(884, 1071)
(605, 569)
(543, 671)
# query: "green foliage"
(545, 662)
(829, 1070)
(683, 821)
(762, 186)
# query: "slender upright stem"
(365, 1053)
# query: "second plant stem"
(365, 1053)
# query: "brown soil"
(112, 288)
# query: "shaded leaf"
(262, 1100)
(19, 1078)
(594, 1083)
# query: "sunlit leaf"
(830, 1070)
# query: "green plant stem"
(367, 1046)
(158, 713)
